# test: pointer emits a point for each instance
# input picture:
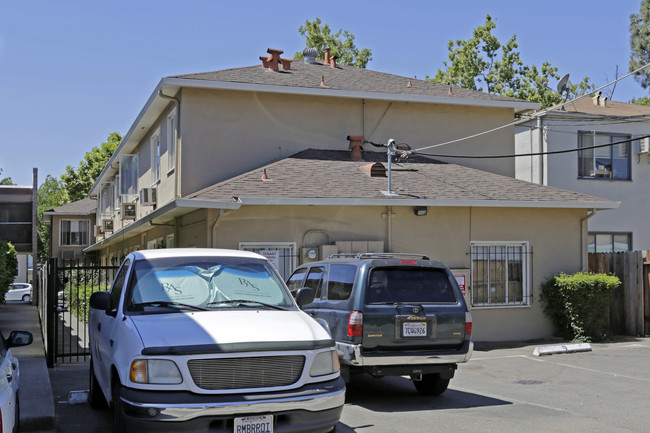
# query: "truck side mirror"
(305, 296)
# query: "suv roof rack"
(376, 255)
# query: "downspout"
(540, 138)
(178, 141)
(584, 228)
(390, 228)
(213, 229)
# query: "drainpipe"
(390, 228)
(540, 137)
(213, 228)
(584, 228)
(178, 142)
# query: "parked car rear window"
(389, 285)
(341, 280)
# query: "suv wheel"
(431, 384)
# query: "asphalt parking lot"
(500, 390)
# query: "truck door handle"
(10, 377)
(99, 327)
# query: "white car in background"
(19, 292)
(10, 380)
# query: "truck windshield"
(409, 285)
(206, 283)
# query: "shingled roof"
(85, 206)
(344, 78)
(314, 175)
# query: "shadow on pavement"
(397, 394)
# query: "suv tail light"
(468, 325)
(355, 324)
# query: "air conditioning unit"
(128, 211)
(108, 226)
(644, 145)
(99, 230)
(148, 196)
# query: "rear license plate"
(414, 329)
(254, 424)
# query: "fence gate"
(68, 286)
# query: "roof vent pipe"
(327, 55)
(310, 55)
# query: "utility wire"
(539, 113)
(555, 152)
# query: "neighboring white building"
(619, 172)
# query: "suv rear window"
(421, 285)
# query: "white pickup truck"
(210, 340)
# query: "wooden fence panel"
(627, 313)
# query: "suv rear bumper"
(315, 407)
(352, 354)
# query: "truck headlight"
(157, 371)
(325, 363)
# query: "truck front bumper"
(311, 408)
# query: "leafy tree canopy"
(6, 180)
(342, 46)
(51, 194)
(79, 180)
(485, 64)
(641, 101)
(640, 43)
(8, 267)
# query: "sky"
(73, 72)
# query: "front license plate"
(254, 424)
(414, 329)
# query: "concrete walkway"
(36, 398)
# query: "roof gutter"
(518, 106)
(397, 201)
(180, 205)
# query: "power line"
(555, 152)
(535, 115)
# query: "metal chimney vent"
(310, 55)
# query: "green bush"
(578, 304)
(8, 267)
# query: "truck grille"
(248, 372)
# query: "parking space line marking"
(607, 373)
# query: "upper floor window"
(105, 200)
(500, 274)
(128, 181)
(74, 232)
(117, 198)
(155, 157)
(609, 242)
(608, 162)
(172, 136)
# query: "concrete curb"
(567, 348)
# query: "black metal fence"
(65, 289)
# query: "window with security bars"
(282, 255)
(500, 274)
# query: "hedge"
(578, 304)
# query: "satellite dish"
(562, 85)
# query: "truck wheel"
(95, 397)
(118, 413)
(431, 384)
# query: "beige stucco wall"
(225, 133)
(445, 233)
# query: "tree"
(51, 194)
(6, 180)
(8, 267)
(640, 43)
(79, 180)
(485, 64)
(320, 36)
(640, 101)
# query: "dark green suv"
(391, 315)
